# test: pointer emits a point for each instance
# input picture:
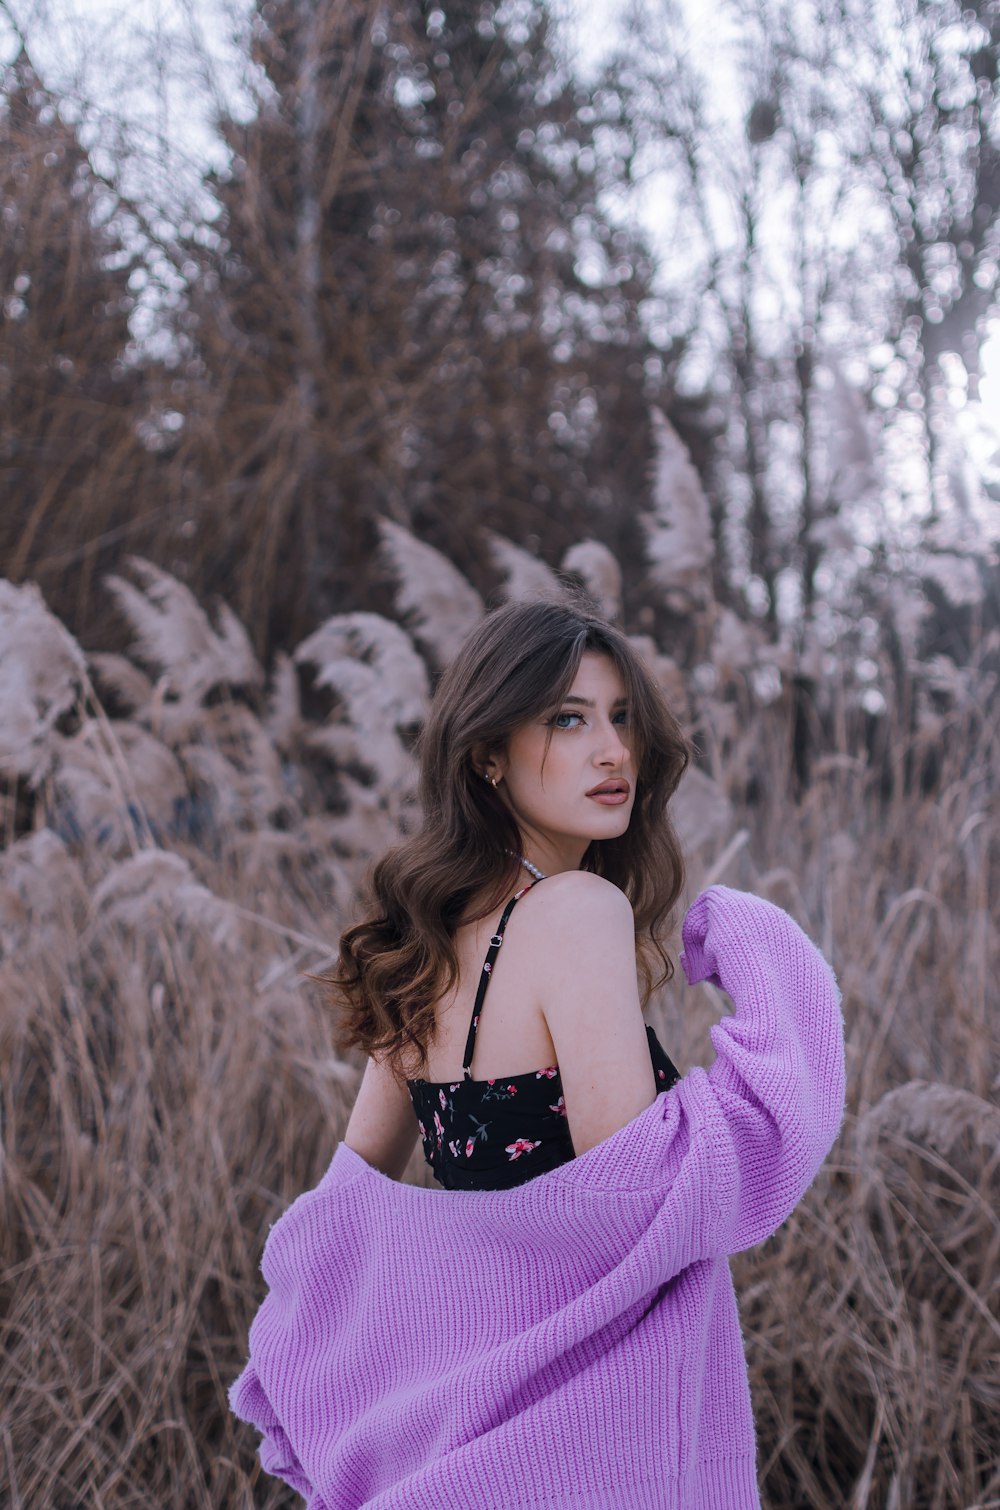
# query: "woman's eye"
(621, 715)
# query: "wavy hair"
(517, 664)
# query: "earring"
(491, 779)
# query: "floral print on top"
(497, 1133)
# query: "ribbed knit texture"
(573, 1343)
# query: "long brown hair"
(517, 664)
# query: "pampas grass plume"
(679, 528)
(173, 633)
(435, 599)
(42, 669)
(525, 575)
(600, 573)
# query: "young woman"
(559, 1330)
(547, 764)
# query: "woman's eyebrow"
(588, 702)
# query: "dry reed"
(167, 1084)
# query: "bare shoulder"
(575, 917)
(589, 994)
(579, 895)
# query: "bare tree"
(74, 470)
(414, 307)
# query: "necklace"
(538, 874)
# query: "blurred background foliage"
(430, 271)
(365, 317)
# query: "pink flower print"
(662, 1074)
(560, 1106)
(455, 1086)
(453, 1146)
(441, 1098)
(487, 967)
(439, 1127)
(512, 1089)
(520, 1146)
(470, 1144)
(423, 1130)
(549, 1073)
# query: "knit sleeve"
(249, 1401)
(778, 1078)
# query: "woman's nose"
(613, 746)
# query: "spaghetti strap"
(484, 979)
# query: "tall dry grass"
(183, 840)
(873, 1317)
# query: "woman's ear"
(488, 764)
(479, 759)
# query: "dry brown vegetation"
(183, 839)
(383, 395)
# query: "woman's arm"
(778, 1078)
(382, 1127)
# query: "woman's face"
(589, 747)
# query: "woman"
(559, 1331)
(549, 756)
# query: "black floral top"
(498, 1133)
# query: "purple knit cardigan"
(574, 1342)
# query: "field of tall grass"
(184, 836)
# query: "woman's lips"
(609, 799)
